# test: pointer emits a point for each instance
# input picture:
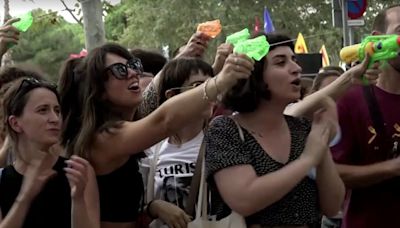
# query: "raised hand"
(8, 34)
(223, 52)
(38, 172)
(196, 46)
(77, 175)
(321, 133)
(361, 73)
(237, 66)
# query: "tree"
(93, 23)
(48, 42)
(155, 24)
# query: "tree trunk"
(6, 59)
(93, 24)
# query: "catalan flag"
(300, 46)
(325, 56)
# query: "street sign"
(356, 8)
(356, 22)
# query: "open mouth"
(134, 86)
(296, 82)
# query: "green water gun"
(238, 37)
(255, 48)
(23, 24)
(380, 48)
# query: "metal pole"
(351, 35)
(345, 25)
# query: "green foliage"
(157, 23)
(116, 22)
(48, 42)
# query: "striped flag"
(300, 46)
(268, 26)
(325, 56)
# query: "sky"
(19, 7)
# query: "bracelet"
(148, 210)
(219, 95)
(205, 95)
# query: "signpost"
(356, 8)
(356, 22)
(353, 9)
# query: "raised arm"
(173, 114)
(196, 47)
(335, 90)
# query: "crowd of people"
(126, 135)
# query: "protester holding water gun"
(367, 156)
(8, 34)
(260, 162)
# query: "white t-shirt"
(175, 168)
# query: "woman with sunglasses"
(42, 189)
(174, 159)
(113, 142)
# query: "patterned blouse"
(225, 148)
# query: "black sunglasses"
(120, 70)
(27, 84)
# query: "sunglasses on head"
(120, 70)
(28, 84)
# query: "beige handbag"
(234, 220)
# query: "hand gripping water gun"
(380, 48)
(23, 24)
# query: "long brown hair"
(97, 113)
(71, 96)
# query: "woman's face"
(282, 75)
(193, 81)
(40, 121)
(123, 92)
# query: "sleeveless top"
(121, 193)
(50, 208)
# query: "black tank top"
(121, 193)
(51, 207)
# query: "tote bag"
(234, 220)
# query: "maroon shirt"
(377, 205)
